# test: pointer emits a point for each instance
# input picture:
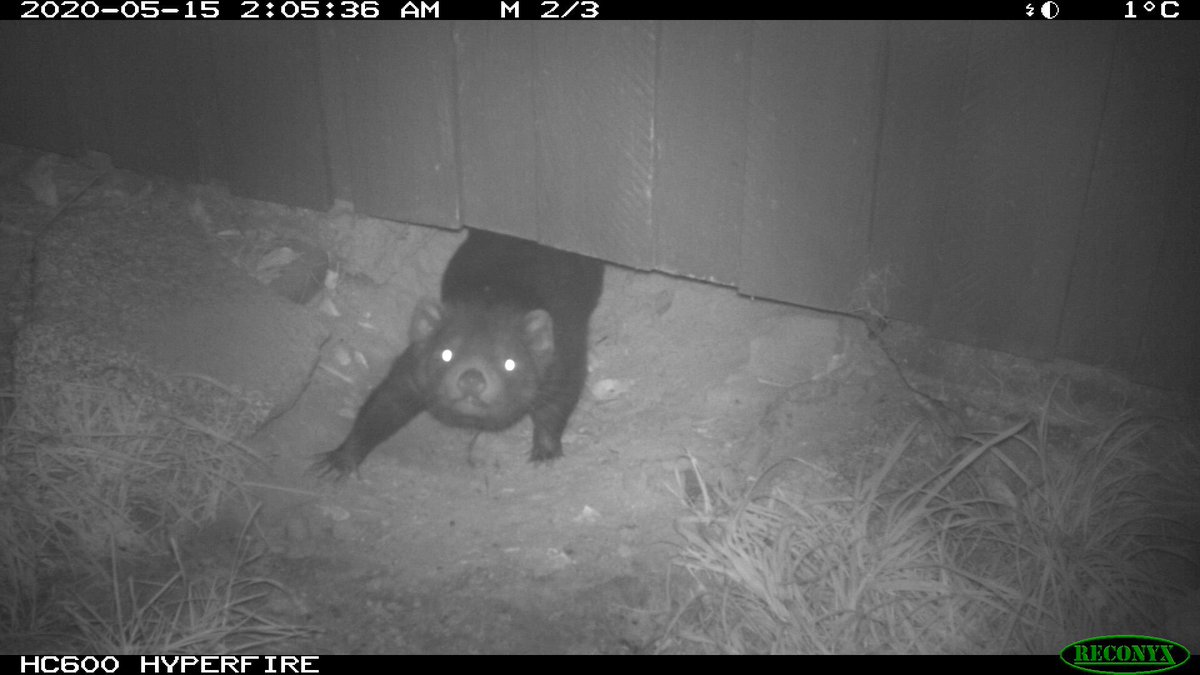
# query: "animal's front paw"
(334, 465)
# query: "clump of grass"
(215, 614)
(90, 466)
(951, 564)
(1083, 541)
(780, 573)
(91, 476)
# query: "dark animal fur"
(502, 298)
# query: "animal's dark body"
(509, 339)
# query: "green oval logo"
(1122, 654)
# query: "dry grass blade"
(1084, 545)
(211, 615)
(91, 477)
(962, 561)
(782, 574)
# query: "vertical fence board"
(1026, 136)
(272, 142)
(700, 137)
(815, 97)
(1116, 278)
(397, 79)
(497, 141)
(594, 102)
(925, 70)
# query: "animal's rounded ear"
(426, 318)
(539, 334)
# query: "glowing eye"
(447, 356)
(510, 365)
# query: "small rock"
(608, 389)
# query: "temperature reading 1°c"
(1167, 9)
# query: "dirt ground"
(442, 549)
(444, 545)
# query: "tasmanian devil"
(509, 339)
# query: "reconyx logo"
(1123, 654)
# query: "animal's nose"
(472, 382)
